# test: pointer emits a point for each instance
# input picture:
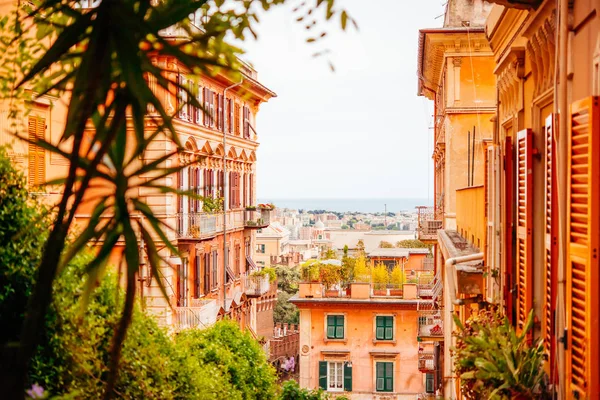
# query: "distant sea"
(349, 205)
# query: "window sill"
(345, 340)
(392, 341)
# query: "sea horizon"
(363, 205)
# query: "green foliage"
(412, 244)
(212, 205)
(329, 254)
(385, 245)
(362, 272)
(287, 278)
(344, 227)
(292, 391)
(397, 276)
(381, 276)
(309, 271)
(266, 271)
(285, 311)
(494, 362)
(329, 274)
(23, 229)
(225, 351)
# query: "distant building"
(272, 241)
(416, 260)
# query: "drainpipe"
(562, 149)
(225, 256)
(450, 263)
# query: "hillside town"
(138, 263)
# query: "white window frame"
(339, 379)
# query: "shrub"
(381, 276)
(292, 391)
(385, 245)
(397, 276)
(494, 362)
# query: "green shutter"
(384, 377)
(384, 328)
(323, 375)
(429, 385)
(389, 377)
(347, 377)
(335, 327)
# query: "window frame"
(343, 326)
(376, 326)
(339, 379)
(385, 375)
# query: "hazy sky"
(358, 132)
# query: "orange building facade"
(364, 344)
(526, 235)
(212, 276)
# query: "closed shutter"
(191, 113)
(583, 207)
(550, 247)
(508, 227)
(182, 97)
(206, 273)
(347, 377)
(206, 113)
(36, 129)
(524, 210)
(323, 375)
(230, 113)
(198, 189)
(197, 273)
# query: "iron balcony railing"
(428, 223)
(196, 225)
(426, 361)
(257, 218)
(257, 285)
(428, 264)
(430, 324)
(202, 314)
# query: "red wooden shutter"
(508, 226)
(236, 119)
(490, 215)
(524, 165)
(192, 187)
(230, 113)
(198, 189)
(583, 242)
(550, 248)
(180, 187)
(199, 93)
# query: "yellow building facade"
(527, 237)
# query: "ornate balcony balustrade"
(257, 219)
(426, 361)
(257, 285)
(430, 325)
(201, 314)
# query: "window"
(197, 273)
(384, 380)
(182, 277)
(335, 376)
(206, 276)
(335, 327)
(37, 156)
(236, 119)
(260, 248)
(384, 327)
(429, 383)
(238, 264)
(215, 268)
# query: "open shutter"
(508, 227)
(583, 219)
(550, 246)
(230, 114)
(36, 128)
(524, 166)
(206, 111)
(236, 119)
(323, 375)
(491, 204)
(199, 93)
(347, 377)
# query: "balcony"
(358, 290)
(202, 314)
(431, 290)
(428, 225)
(428, 264)
(257, 219)
(426, 361)
(257, 285)
(430, 326)
(196, 225)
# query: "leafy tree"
(381, 276)
(329, 254)
(292, 391)
(385, 245)
(362, 272)
(411, 244)
(397, 276)
(360, 246)
(287, 278)
(285, 312)
(103, 57)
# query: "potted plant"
(266, 206)
(397, 279)
(381, 278)
(330, 275)
(250, 208)
(194, 231)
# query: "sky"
(358, 132)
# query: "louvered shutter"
(192, 187)
(550, 246)
(490, 215)
(246, 122)
(583, 219)
(236, 119)
(508, 227)
(212, 108)
(191, 86)
(36, 128)
(323, 375)
(251, 189)
(198, 189)
(524, 166)
(182, 97)
(199, 93)
(180, 187)
(230, 113)
(206, 111)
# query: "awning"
(230, 273)
(250, 262)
